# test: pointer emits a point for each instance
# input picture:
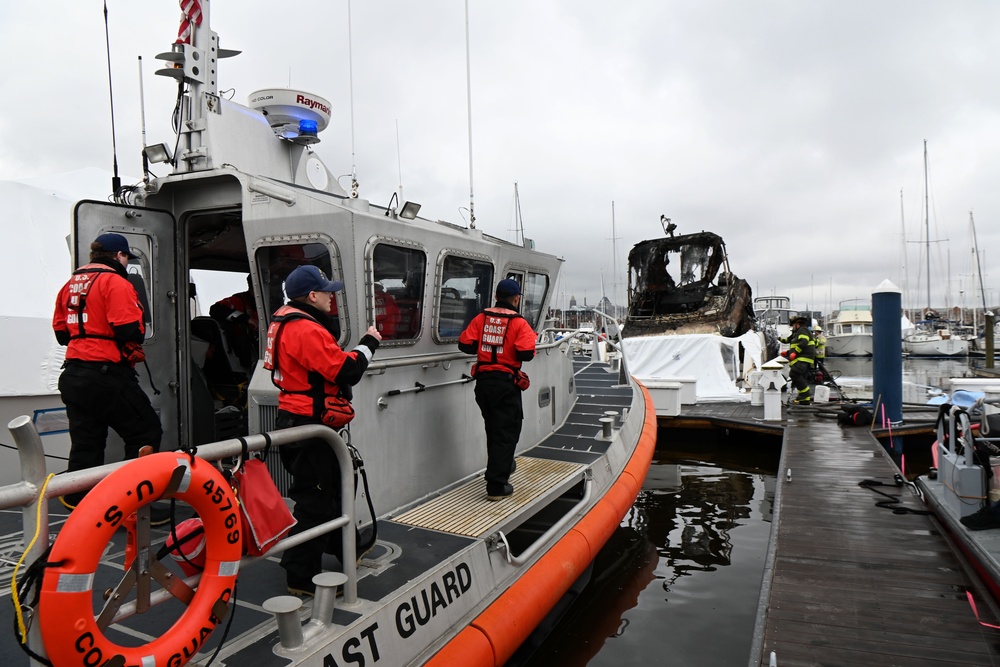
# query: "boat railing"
(28, 494)
(954, 426)
(557, 528)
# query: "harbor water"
(679, 582)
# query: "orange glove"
(791, 356)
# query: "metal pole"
(990, 323)
(887, 355)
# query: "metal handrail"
(556, 528)
(27, 494)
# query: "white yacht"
(849, 333)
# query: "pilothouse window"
(466, 289)
(533, 296)
(276, 262)
(398, 296)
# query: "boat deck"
(409, 545)
(849, 582)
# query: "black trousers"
(316, 491)
(98, 396)
(801, 374)
(500, 402)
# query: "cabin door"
(152, 237)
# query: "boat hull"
(936, 347)
(849, 345)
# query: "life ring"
(70, 632)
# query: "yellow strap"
(22, 630)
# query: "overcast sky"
(788, 127)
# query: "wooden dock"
(847, 582)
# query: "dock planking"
(848, 582)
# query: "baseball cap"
(309, 278)
(115, 243)
(508, 287)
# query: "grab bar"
(557, 527)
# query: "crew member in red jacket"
(99, 318)
(501, 340)
(237, 315)
(315, 377)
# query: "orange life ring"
(66, 616)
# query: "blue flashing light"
(307, 127)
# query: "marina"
(481, 477)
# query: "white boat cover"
(712, 360)
(37, 217)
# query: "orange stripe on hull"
(491, 639)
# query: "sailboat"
(932, 336)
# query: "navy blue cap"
(508, 287)
(308, 278)
(115, 243)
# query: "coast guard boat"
(451, 578)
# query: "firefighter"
(501, 339)
(98, 317)
(801, 355)
(822, 375)
(315, 377)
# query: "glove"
(791, 356)
(784, 353)
(133, 353)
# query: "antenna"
(518, 222)
(350, 70)
(399, 162)
(468, 89)
(116, 181)
(142, 122)
(614, 259)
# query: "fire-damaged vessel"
(683, 285)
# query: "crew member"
(98, 317)
(315, 377)
(237, 314)
(801, 354)
(501, 340)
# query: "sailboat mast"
(927, 229)
(979, 266)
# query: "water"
(679, 582)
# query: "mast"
(979, 266)
(927, 229)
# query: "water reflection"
(680, 579)
(922, 377)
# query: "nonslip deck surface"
(852, 583)
(466, 510)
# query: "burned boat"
(689, 318)
(683, 285)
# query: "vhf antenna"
(116, 181)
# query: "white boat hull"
(849, 345)
(935, 347)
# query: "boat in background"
(933, 337)
(849, 333)
(774, 312)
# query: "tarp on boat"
(712, 360)
(36, 223)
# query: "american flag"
(190, 17)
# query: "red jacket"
(500, 338)
(101, 297)
(307, 364)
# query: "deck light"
(157, 153)
(409, 210)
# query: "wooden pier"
(848, 582)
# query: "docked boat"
(689, 316)
(934, 338)
(956, 486)
(683, 285)
(849, 333)
(451, 578)
(774, 312)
